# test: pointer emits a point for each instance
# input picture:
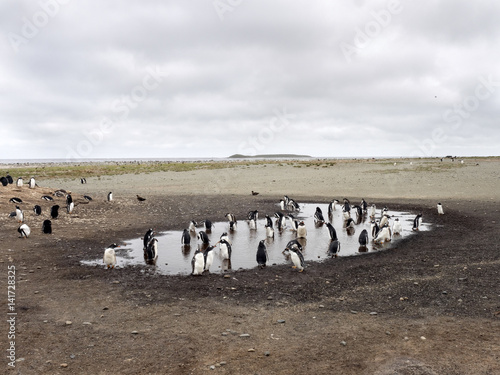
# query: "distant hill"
(269, 156)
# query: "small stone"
(373, 313)
(406, 338)
(444, 292)
(87, 323)
(64, 365)
(343, 343)
(251, 350)
(267, 354)
(134, 333)
(36, 292)
(422, 338)
(69, 322)
(354, 312)
(115, 282)
(281, 321)
(270, 297)
(415, 283)
(227, 276)
(321, 306)
(212, 367)
(387, 333)
(223, 363)
(72, 356)
(105, 308)
(462, 279)
(245, 335)
(225, 333)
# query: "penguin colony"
(381, 229)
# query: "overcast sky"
(205, 78)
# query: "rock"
(444, 292)
(281, 321)
(321, 306)
(212, 367)
(69, 322)
(270, 298)
(422, 338)
(354, 312)
(251, 350)
(373, 313)
(134, 333)
(343, 343)
(105, 308)
(245, 335)
(227, 276)
(64, 365)
(223, 363)
(72, 356)
(224, 333)
(267, 354)
(87, 323)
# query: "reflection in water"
(245, 241)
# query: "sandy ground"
(429, 306)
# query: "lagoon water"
(174, 259)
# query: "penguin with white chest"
(32, 183)
(109, 257)
(19, 215)
(301, 230)
(151, 252)
(417, 222)
(209, 257)
(297, 258)
(318, 216)
(225, 249)
(396, 227)
(440, 209)
(24, 230)
(198, 263)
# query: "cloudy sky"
(210, 78)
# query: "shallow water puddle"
(174, 258)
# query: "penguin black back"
(47, 226)
(54, 211)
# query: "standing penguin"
(302, 230)
(225, 249)
(203, 237)
(20, 182)
(331, 206)
(37, 209)
(32, 183)
(186, 238)
(110, 196)
(363, 238)
(280, 220)
(384, 235)
(209, 257)
(148, 237)
(9, 178)
(440, 209)
(109, 257)
(192, 226)
(262, 254)
(4, 181)
(151, 252)
(24, 231)
(334, 248)
(198, 263)
(208, 225)
(269, 230)
(47, 227)
(374, 229)
(297, 258)
(318, 216)
(54, 211)
(19, 215)
(416, 222)
(70, 207)
(396, 227)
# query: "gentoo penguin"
(293, 223)
(225, 249)
(232, 225)
(47, 227)
(198, 263)
(349, 223)
(384, 220)
(9, 178)
(384, 235)
(297, 258)
(359, 211)
(293, 205)
(440, 209)
(252, 219)
(87, 198)
(346, 214)
(262, 254)
(70, 207)
(280, 220)
(151, 252)
(294, 243)
(110, 196)
(15, 200)
(32, 183)
(83, 180)
(147, 237)
(364, 205)
(47, 198)
(19, 215)
(230, 217)
(416, 222)
(224, 236)
(302, 230)
(186, 237)
(374, 229)
(363, 238)
(347, 205)
(203, 237)
(282, 204)
(37, 209)
(209, 257)
(24, 231)
(208, 225)
(318, 216)
(332, 231)
(373, 211)
(60, 193)
(109, 258)
(269, 221)
(192, 226)
(396, 227)
(269, 230)
(331, 206)
(19, 182)
(4, 181)
(334, 248)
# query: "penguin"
(286, 200)
(224, 236)
(396, 227)
(208, 225)
(346, 214)
(109, 257)
(186, 237)
(47, 227)
(293, 223)
(24, 231)
(198, 263)
(332, 231)
(225, 249)
(440, 209)
(282, 204)
(384, 220)
(384, 235)
(148, 237)
(32, 183)
(19, 182)
(280, 220)
(297, 259)
(253, 215)
(416, 222)
(363, 238)
(294, 243)
(47, 198)
(318, 216)
(252, 224)
(331, 206)
(87, 198)
(37, 209)
(373, 211)
(83, 180)
(4, 181)
(262, 254)
(334, 248)
(70, 207)
(364, 205)
(349, 223)
(359, 211)
(208, 257)
(232, 225)
(151, 252)
(269, 221)
(293, 205)
(9, 178)
(374, 229)
(269, 231)
(16, 200)
(192, 226)
(110, 196)
(301, 230)
(385, 211)
(347, 205)
(19, 215)
(230, 217)
(61, 193)
(203, 237)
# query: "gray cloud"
(168, 79)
